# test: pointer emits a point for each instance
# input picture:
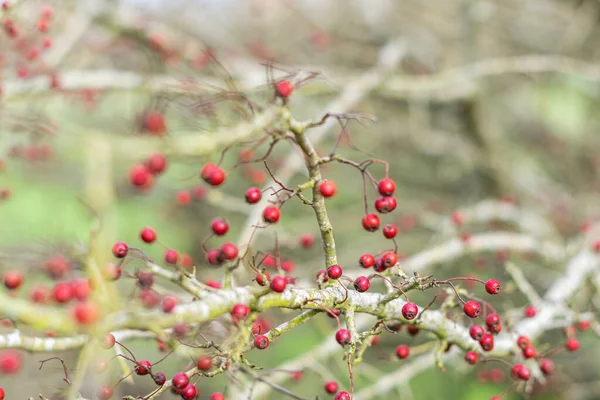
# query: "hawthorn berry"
(143, 367)
(140, 176)
(412, 330)
(271, 214)
(213, 284)
(584, 325)
(334, 272)
(402, 351)
(240, 311)
(523, 342)
(342, 396)
(12, 279)
(370, 222)
(253, 195)
(11, 362)
(148, 235)
(184, 197)
(120, 250)
(362, 284)
(343, 336)
(57, 266)
(375, 340)
(261, 342)
(307, 240)
(62, 292)
(519, 371)
(366, 261)
(215, 257)
(492, 320)
(529, 352)
(104, 393)
(390, 231)
(572, 344)
(389, 259)
(472, 309)
(495, 329)
(386, 187)
(1, 394)
(331, 387)
(108, 341)
(492, 286)
(457, 218)
(385, 205)
(169, 303)
(263, 281)
(547, 366)
(219, 226)
(204, 363)
(284, 88)
(145, 279)
(212, 174)
(471, 357)
(229, 251)
(180, 380)
(410, 311)
(530, 311)
(160, 378)
(486, 342)
(327, 188)
(156, 163)
(278, 284)
(190, 392)
(217, 396)
(149, 298)
(322, 274)
(171, 256)
(476, 332)
(86, 313)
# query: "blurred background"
(475, 101)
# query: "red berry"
(204, 363)
(386, 187)
(457, 218)
(410, 311)
(278, 284)
(284, 88)
(169, 303)
(217, 396)
(140, 176)
(370, 222)
(62, 292)
(120, 250)
(584, 325)
(495, 329)
(519, 371)
(86, 313)
(492, 286)
(1, 394)
(366, 261)
(229, 251)
(530, 311)
(547, 366)
(160, 378)
(260, 280)
(523, 342)
(402, 351)
(12, 279)
(219, 226)
(240, 311)
(572, 344)
(148, 235)
(171, 256)
(491, 320)
(375, 340)
(472, 309)
(104, 393)
(471, 357)
(362, 284)
(213, 284)
(529, 352)
(145, 279)
(156, 163)
(342, 396)
(487, 342)
(253, 195)
(385, 205)
(390, 231)
(322, 274)
(261, 342)
(57, 266)
(334, 272)
(287, 265)
(108, 341)
(412, 330)
(184, 197)
(343, 337)
(271, 214)
(180, 380)
(331, 387)
(212, 174)
(11, 362)
(190, 392)
(476, 332)
(143, 368)
(215, 257)
(307, 240)
(149, 298)
(389, 259)
(327, 188)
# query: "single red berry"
(495, 329)
(491, 320)
(143, 367)
(190, 392)
(160, 378)
(476, 332)
(62, 292)
(171, 256)
(343, 337)
(572, 344)
(86, 313)
(402, 351)
(180, 380)
(148, 235)
(169, 303)
(322, 274)
(307, 240)
(11, 362)
(529, 352)
(284, 88)
(370, 222)
(219, 226)
(204, 363)
(120, 250)
(334, 272)
(149, 298)
(366, 261)
(472, 309)
(412, 330)
(215, 257)
(263, 281)
(386, 205)
(471, 357)
(212, 174)
(390, 231)
(57, 266)
(520, 372)
(253, 195)
(145, 279)
(229, 251)
(584, 325)
(156, 163)
(261, 342)
(375, 340)
(487, 342)
(342, 396)
(547, 366)
(199, 192)
(1, 394)
(389, 259)
(108, 341)
(271, 214)
(287, 265)
(492, 286)
(386, 187)
(217, 396)
(523, 342)
(331, 387)
(104, 393)
(410, 311)
(13, 279)
(140, 176)
(362, 284)
(457, 218)
(327, 188)
(278, 284)
(213, 284)
(240, 311)
(530, 311)
(183, 197)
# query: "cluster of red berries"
(142, 175)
